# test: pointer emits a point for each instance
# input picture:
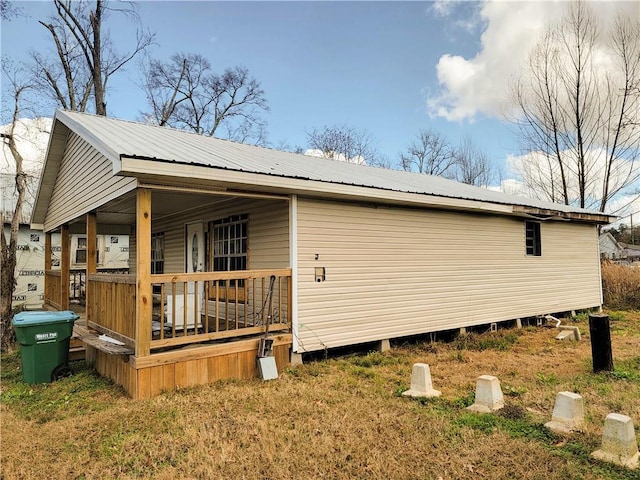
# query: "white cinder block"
(568, 413)
(421, 385)
(489, 396)
(619, 445)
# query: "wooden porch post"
(92, 247)
(65, 262)
(47, 251)
(143, 273)
(47, 265)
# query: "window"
(230, 243)
(81, 250)
(532, 238)
(157, 253)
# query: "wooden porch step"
(91, 337)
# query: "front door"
(194, 245)
(194, 262)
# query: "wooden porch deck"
(177, 367)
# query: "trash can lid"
(43, 317)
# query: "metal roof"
(119, 138)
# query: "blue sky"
(371, 65)
(390, 68)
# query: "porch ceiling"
(122, 211)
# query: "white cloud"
(32, 138)
(529, 175)
(340, 157)
(626, 205)
(470, 86)
(442, 8)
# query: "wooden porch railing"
(193, 307)
(113, 305)
(198, 307)
(53, 288)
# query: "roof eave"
(150, 170)
(582, 216)
(61, 126)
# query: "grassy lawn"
(341, 418)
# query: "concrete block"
(489, 396)
(568, 413)
(619, 445)
(518, 323)
(421, 385)
(296, 359)
(384, 345)
(568, 332)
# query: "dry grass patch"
(621, 285)
(342, 418)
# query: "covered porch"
(211, 276)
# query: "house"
(610, 249)
(230, 239)
(112, 253)
(631, 252)
(112, 257)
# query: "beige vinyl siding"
(392, 272)
(268, 233)
(85, 181)
(268, 239)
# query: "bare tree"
(429, 153)
(185, 93)
(579, 103)
(8, 247)
(471, 165)
(432, 154)
(84, 56)
(9, 10)
(344, 143)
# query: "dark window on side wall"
(157, 253)
(532, 238)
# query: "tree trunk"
(9, 259)
(7, 284)
(96, 50)
(8, 249)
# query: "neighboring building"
(610, 249)
(113, 256)
(227, 237)
(632, 252)
(112, 251)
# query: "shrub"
(621, 286)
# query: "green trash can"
(44, 344)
